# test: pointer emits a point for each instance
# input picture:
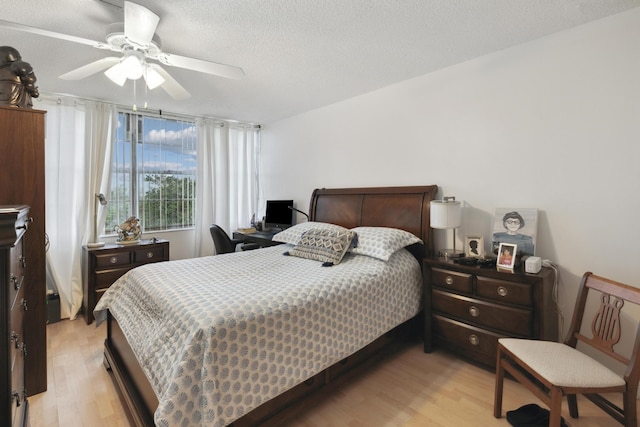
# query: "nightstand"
(467, 308)
(103, 266)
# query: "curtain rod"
(159, 113)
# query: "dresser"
(103, 266)
(467, 308)
(23, 183)
(13, 310)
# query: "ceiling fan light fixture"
(132, 67)
(152, 77)
(116, 74)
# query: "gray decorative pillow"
(328, 246)
(292, 235)
(381, 242)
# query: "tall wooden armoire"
(22, 183)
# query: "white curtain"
(77, 158)
(227, 184)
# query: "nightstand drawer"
(113, 259)
(511, 320)
(105, 278)
(147, 255)
(459, 282)
(467, 339)
(503, 291)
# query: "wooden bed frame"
(406, 208)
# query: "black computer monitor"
(278, 215)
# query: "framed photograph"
(474, 247)
(516, 226)
(506, 256)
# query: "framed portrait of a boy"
(506, 256)
(474, 247)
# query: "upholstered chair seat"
(562, 365)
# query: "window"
(153, 173)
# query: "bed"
(224, 344)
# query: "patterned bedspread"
(218, 336)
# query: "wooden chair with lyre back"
(552, 370)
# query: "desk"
(262, 238)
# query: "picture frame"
(516, 226)
(506, 256)
(474, 246)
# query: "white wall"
(553, 124)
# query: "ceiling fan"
(136, 40)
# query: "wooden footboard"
(141, 402)
(135, 391)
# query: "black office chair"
(224, 244)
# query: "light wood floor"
(407, 389)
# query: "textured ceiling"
(297, 54)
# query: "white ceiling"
(297, 54)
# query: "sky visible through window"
(165, 166)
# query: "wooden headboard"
(406, 208)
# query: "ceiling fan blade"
(222, 70)
(55, 35)
(139, 23)
(91, 68)
(170, 85)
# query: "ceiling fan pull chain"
(146, 96)
(135, 107)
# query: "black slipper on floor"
(530, 415)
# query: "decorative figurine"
(17, 79)
(129, 231)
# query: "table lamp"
(447, 214)
(100, 200)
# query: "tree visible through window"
(153, 173)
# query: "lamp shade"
(446, 213)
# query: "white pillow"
(292, 235)
(381, 242)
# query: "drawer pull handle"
(113, 259)
(474, 311)
(23, 303)
(14, 337)
(23, 261)
(473, 339)
(448, 280)
(25, 226)
(149, 254)
(502, 291)
(16, 396)
(16, 283)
